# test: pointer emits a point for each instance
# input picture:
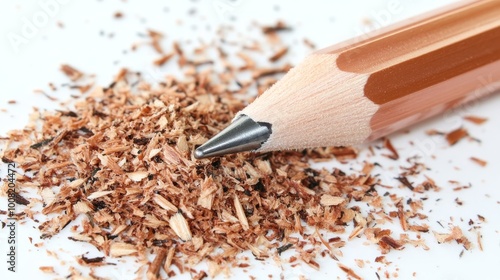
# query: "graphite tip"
(242, 135)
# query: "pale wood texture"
(372, 86)
(312, 106)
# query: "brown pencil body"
(366, 88)
(431, 66)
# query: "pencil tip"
(199, 153)
(243, 134)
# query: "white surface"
(36, 62)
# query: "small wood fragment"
(154, 268)
(201, 275)
(329, 200)
(47, 269)
(119, 249)
(19, 199)
(278, 27)
(180, 226)
(405, 182)
(284, 248)
(456, 135)
(240, 213)
(479, 161)
(163, 59)
(164, 203)
(71, 72)
(278, 54)
(394, 154)
(480, 240)
(475, 119)
(349, 271)
(169, 259)
(137, 176)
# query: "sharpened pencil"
(369, 87)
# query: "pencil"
(371, 86)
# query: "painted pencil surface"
(366, 88)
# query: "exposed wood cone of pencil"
(373, 85)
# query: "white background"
(85, 42)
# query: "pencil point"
(199, 153)
(243, 134)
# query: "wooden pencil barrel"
(371, 86)
(429, 66)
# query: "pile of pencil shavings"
(122, 159)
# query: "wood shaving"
(329, 200)
(71, 72)
(155, 40)
(91, 262)
(480, 162)
(475, 119)
(279, 26)
(455, 235)
(47, 269)
(310, 44)
(169, 259)
(456, 135)
(240, 213)
(360, 263)
(154, 268)
(405, 182)
(278, 54)
(480, 241)
(349, 271)
(136, 176)
(394, 154)
(180, 226)
(118, 249)
(163, 59)
(164, 203)
(264, 72)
